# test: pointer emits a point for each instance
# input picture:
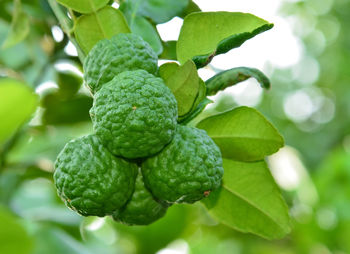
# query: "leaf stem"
(71, 13)
(67, 26)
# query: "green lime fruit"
(142, 209)
(134, 114)
(91, 180)
(123, 52)
(186, 170)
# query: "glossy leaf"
(250, 201)
(19, 26)
(234, 76)
(243, 134)
(13, 236)
(17, 104)
(144, 28)
(84, 6)
(102, 24)
(223, 32)
(183, 82)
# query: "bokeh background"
(307, 57)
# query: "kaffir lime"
(186, 170)
(91, 180)
(142, 209)
(134, 114)
(123, 52)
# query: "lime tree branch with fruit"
(152, 146)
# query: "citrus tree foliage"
(248, 200)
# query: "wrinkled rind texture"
(135, 114)
(123, 52)
(186, 170)
(91, 180)
(142, 209)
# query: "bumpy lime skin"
(134, 114)
(91, 180)
(142, 209)
(186, 170)
(123, 52)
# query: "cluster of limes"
(139, 161)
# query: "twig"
(66, 25)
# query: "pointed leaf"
(102, 24)
(250, 201)
(234, 76)
(17, 103)
(19, 27)
(84, 6)
(223, 32)
(243, 134)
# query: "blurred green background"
(309, 103)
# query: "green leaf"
(243, 134)
(13, 236)
(223, 32)
(159, 11)
(169, 50)
(191, 7)
(144, 28)
(167, 69)
(233, 76)
(196, 111)
(61, 110)
(19, 27)
(102, 24)
(202, 91)
(250, 201)
(17, 104)
(68, 83)
(84, 6)
(183, 82)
